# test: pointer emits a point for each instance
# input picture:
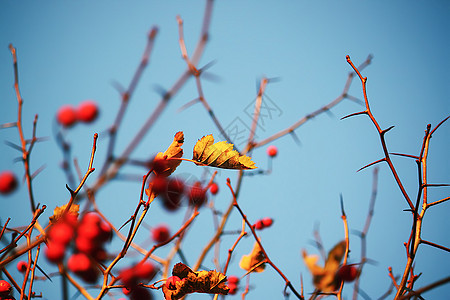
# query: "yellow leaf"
(174, 151)
(220, 155)
(248, 262)
(59, 210)
(209, 282)
(324, 278)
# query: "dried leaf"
(59, 211)
(248, 262)
(174, 151)
(324, 278)
(209, 282)
(220, 155)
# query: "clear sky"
(70, 51)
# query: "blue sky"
(72, 51)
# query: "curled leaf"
(59, 211)
(324, 278)
(220, 155)
(209, 282)
(174, 151)
(254, 259)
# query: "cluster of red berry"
(131, 277)
(5, 290)
(90, 234)
(233, 282)
(263, 223)
(172, 190)
(59, 236)
(86, 112)
(8, 182)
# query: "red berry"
(272, 151)
(171, 282)
(233, 289)
(8, 182)
(267, 222)
(259, 225)
(347, 273)
(160, 234)
(105, 232)
(22, 266)
(232, 279)
(67, 115)
(197, 194)
(172, 198)
(87, 111)
(61, 232)
(126, 291)
(144, 271)
(81, 265)
(85, 245)
(88, 231)
(55, 252)
(5, 288)
(214, 188)
(91, 218)
(159, 184)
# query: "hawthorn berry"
(232, 289)
(160, 233)
(126, 291)
(197, 194)
(87, 111)
(61, 232)
(22, 266)
(5, 288)
(272, 151)
(67, 115)
(145, 271)
(81, 264)
(259, 225)
(263, 223)
(8, 182)
(214, 188)
(159, 185)
(347, 273)
(171, 282)
(232, 279)
(55, 252)
(267, 222)
(172, 198)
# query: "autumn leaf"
(324, 278)
(220, 155)
(249, 262)
(209, 282)
(174, 151)
(59, 211)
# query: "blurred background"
(69, 52)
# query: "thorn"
(342, 205)
(355, 114)
(405, 155)
(71, 192)
(386, 130)
(375, 162)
